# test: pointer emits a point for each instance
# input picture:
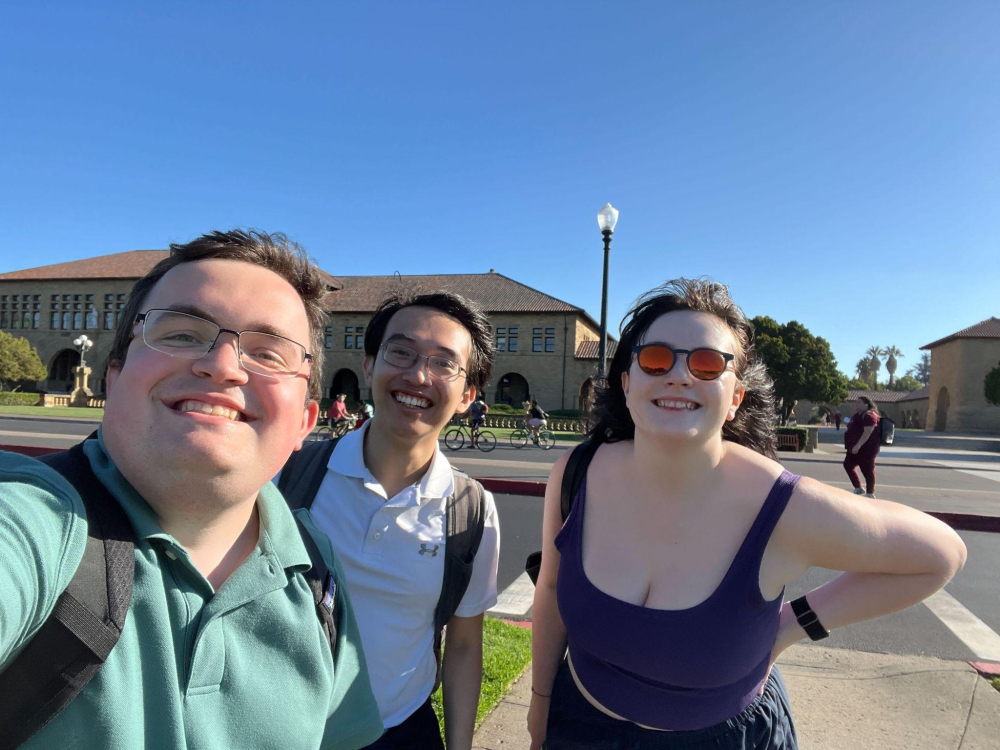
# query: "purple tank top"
(673, 669)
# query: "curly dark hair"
(756, 419)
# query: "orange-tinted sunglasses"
(704, 364)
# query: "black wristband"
(808, 619)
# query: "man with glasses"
(215, 617)
(418, 541)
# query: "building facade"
(959, 364)
(545, 348)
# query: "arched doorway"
(512, 389)
(346, 382)
(941, 414)
(586, 395)
(61, 371)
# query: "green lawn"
(996, 682)
(54, 411)
(506, 654)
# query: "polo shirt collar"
(279, 534)
(348, 459)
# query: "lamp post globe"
(607, 218)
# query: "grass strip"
(506, 654)
(995, 682)
(54, 411)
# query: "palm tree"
(862, 369)
(892, 352)
(875, 364)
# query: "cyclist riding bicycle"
(339, 417)
(537, 419)
(477, 412)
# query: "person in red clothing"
(861, 439)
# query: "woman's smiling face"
(677, 404)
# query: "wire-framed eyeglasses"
(403, 356)
(192, 337)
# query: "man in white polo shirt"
(383, 500)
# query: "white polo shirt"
(392, 553)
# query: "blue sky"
(835, 163)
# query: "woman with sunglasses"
(667, 579)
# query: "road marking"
(516, 599)
(973, 632)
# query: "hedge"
(16, 398)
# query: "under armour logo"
(429, 550)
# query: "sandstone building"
(546, 349)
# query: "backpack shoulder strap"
(323, 585)
(304, 471)
(74, 642)
(575, 471)
(465, 519)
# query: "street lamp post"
(83, 343)
(607, 217)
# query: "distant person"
(338, 416)
(861, 439)
(477, 413)
(666, 579)
(537, 419)
(837, 418)
(366, 413)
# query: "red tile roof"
(133, 264)
(918, 394)
(879, 397)
(986, 329)
(494, 292)
(591, 349)
(128, 265)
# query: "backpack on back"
(464, 523)
(72, 645)
(573, 474)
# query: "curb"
(957, 521)
(988, 669)
(64, 420)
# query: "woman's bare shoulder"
(749, 464)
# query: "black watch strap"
(808, 619)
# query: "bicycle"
(455, 438)
(340, 428)
(519, 438)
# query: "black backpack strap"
(304, 471)
(575, 471)
(465, 519)
(74, 642)
(324, 588)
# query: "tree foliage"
(801, 365)
(992, 385)
(922, 370)
(906, 383)
(19, 361)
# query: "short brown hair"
(466, 312)
(274, 252)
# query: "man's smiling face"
(209, 416)
(409, 401)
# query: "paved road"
(932, 480)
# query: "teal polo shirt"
(247, 666)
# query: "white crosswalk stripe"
(973, 632)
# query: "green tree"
(922, 370)
(892, 353)
(874, 365)
(992, 385)
(858, 384)
(801, 365)
(19, 361)
(906, 383)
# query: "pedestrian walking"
(837, 418)
(862, 440)
(666, 578)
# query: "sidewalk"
(842, 700)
